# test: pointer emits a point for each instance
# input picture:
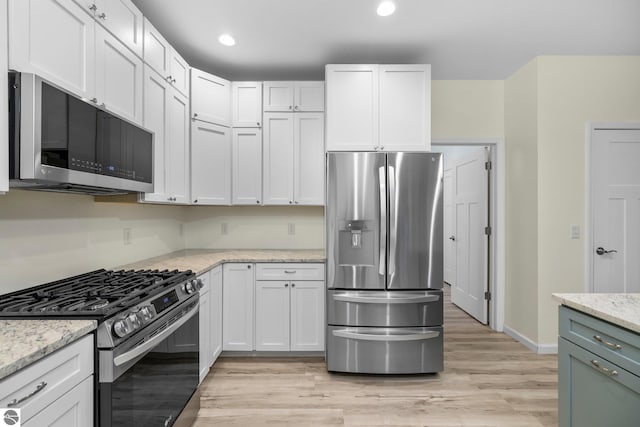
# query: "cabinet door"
(179, 73)
(308, 164)
(590, 394)
(405, 107)
(277, 96)
(206, 352)
(307, 315)
(73, 409)
(177, 148)
(216, 313)
(4, 113)
(272, 316)
(237, 307)
(156, 94)
(352, 107)
(246, 181)
(119, 77)
(246, 104)
(308, 96)
(210, 98)
(210, 164)
(156, 50)
(278, 158)
(56, 40)
(124, 20)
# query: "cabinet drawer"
(289, 271)
(73, 409)
(54, 375)
(594, 392)
(616, 344)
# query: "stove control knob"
(146, 313)
(191, 287)
(121, 328)
(134, 320)
(199, 283)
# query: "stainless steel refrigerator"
(384, 262)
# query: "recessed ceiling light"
(227, 40)
(386, 8)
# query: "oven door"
(148, 380)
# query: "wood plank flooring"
(489, 380)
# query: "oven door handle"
(148, 345)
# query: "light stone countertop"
(201, 260)
(619, 309)
(23, 342)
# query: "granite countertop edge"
(25, 341)
(620, 309)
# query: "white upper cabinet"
(123, 19)
(246, 104)
(210, 98)
(60, 41)
(378, 107)
(166, 114)
(210, 164)
(4, 113)
(119, 77)
(405, 107)
(293, 159)
(246, 148)
(164, 59)
(56, 40)
(293, 96)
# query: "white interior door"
(470, 198)
(449, 243)
(615, 196)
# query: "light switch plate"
(575, 231)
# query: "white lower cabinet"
(56, 390)
(289, 307)
(238, 306)
(210, 325)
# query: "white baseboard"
(529, 343)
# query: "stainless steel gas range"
(147, 345)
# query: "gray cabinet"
(598, 372)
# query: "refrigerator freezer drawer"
(384, 309)
(385, 350)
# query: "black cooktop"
(97, 294)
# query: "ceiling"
(461, 39)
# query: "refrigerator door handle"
(410, 336)
(392, 221)
(383, 221)
(346, 297)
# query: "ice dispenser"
(357, 243)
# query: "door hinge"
(487, 231)
(487, 296)
(487, 165)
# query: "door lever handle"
(602, 251)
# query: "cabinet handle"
(168, 78)
(290, 202)
(293, 285)
(290, 107)
(286, 285)
(93, 7)
(38, 389)
(290, 271)
(195, 201)
(173, 80)
(102, 16)
(249, 266)
(258, 201)
(607, 343)
(295, 108)
(382, 147)
(94, 100)
(610, 372)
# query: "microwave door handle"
(148, 345)
(393, 227)
(383, 221)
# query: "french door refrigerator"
(384, 262)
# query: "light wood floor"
(489, 380)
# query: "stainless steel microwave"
(60, 142)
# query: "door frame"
(591, 127)
(496, 221)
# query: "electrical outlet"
(575, 231)
(224, 228)
(126, 236)
(291, 228)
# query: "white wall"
(47, 236)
